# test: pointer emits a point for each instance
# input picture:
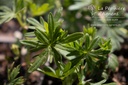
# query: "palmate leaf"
(116, 35)
(39, 10)
(6, 14)
(35, 24)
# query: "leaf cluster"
(84, 51)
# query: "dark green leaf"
(57, 57)
(20, 4)
(42, 21)
(73, 53)
(94, 43)
(100, 52)
(38, 48)
(50, 24)
(40, 60)
(14, 73)
(73, 37)
(67, 67)
(41, 36)
(72, 70)
(30, 43)
(76, 60)
(87, 41)
(48, 71)
(29, 34)
(17, 81)
(56, 33)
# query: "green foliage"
(82, 3)
(12, 76)
(112, 62)
(110, 25)
(48, 37)
(102, 83)
(39, 10)
(17, 11)
(21, 9)
(6, 15)
(88, 11)
(84, 51)
(41, 59)
(79, 4)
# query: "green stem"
(23, 25)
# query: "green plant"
(111, 26)
(12, 76)
(86, 12)
(21, 10)
(86, 54)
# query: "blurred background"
(110, 23)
